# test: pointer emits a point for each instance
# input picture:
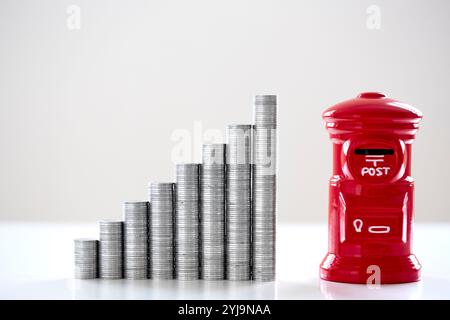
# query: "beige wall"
(87, 115)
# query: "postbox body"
(371, 191)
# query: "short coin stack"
(212, 212)
(86, 257)
(110, 249)
(136, 239)
(161, 230)
(238, 226)
(187, 222)
(264, 188)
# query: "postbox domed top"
(372, 106)
(369, 112)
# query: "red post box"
(371, 190)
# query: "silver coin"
(187, 221)
(212, 212)
(264, 188)
(86, 258)
(161, 243)
(135, 243)
(238, 202)
(111, 249)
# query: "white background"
(86, 116)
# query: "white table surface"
(36, 262)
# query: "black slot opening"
(374, 152)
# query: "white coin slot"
(379, 229)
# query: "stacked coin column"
(161, 230)
(136, 239)
(187, 222)
(86, 258)
(238, 202)
(212, 212)
(110, 249)
(264, 188)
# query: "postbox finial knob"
(372, 95)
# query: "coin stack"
(110, 249)
(86, 256)
(264, 187)
(187, 222)
(238, 203)
(212, 212)
(161, 230)
(136, 239)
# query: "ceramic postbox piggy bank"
(371, 191)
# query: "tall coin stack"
(187, 222)
(212, 212)
(86, 257)
(238, 205)
(136, 239)
(161, 230)
(110, 249)
(264, 187)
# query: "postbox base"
(359, 270)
